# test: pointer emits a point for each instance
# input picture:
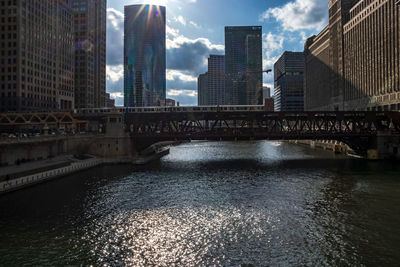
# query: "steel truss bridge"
(357, 129)
(32, 119)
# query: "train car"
(169, 109)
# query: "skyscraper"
(144, 55)
(288, 82)
(211, 85)
(36, 55)
(216, 80)
(202, 90)
(243, 65)
(353, 64)
(90, 53)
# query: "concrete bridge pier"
(385, 146)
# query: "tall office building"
(216, 80)
(317, 78)
(362, 69)
(266, 92)
(243, 65)
(288, 82)
(144, 55)
(372, 56)
(36, 55)
(211, 86)
(202, 90)
(90, 53)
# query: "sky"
(195, 29)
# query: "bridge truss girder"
(357, 129)
(40, 119)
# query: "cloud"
(173, 74)
(273, 42)
(273, 46)
(194, 24)
(119, 98)
(181, 80)
(114, 73)
(183, 96)
(189, 55)
(300, 15)
(117, 95)
(115, 33)
(174, 92)
(181, 20)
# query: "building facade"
(243, 65)
(144, 55)
(90, 53)
(372, 56)
(36, 55)
(110, 103)
(317, 85)
(216, 80)
(202, 90)
(266, 92)
(211, 85)
(169, 102)
(362, 40)
(289, 82)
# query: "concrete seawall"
(41, 177)
(334, 146)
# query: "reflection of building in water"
(354, 63)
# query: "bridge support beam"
(386, 146)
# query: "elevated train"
(169, 109)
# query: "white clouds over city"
(300, 14)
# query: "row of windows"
(9, 19)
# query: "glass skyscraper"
(144, 55)
(243, 65)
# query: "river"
(211, 203)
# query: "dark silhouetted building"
(202, 90)
(269, 104)
(317, 77)
(266, 92)
(36, 55)
(216, 80)
(211, 89)
(362, 40)
(169, 102)
(110, 103)
(144, 55)
(90, 53)
(289, 82)
(243, 65)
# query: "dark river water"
(211, 204)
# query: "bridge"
(357, 129)
(145, 126)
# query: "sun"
(155, 2)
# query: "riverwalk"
(10, 185)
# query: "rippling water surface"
(223, 204)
